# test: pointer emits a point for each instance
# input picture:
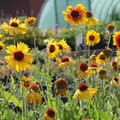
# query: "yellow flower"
(118, 55)
(63, 47)
(94, 68)
(25, 82)
(116, 39)
(75, 16)
(90, 20)
(52, 49)
(93, 59)
(115, 82)
(65, 61)
(34, 98)
(30, 21)
(14, 27)
(26, 79)
(84, 71)
(1, 45)
(61, 87)
(19, 57)
(84, 92)
(49, 115)
(1, 36)
(92, 38)
(101, 59)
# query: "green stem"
(109, 41)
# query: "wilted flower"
(34, 97)
(61, 87)
(102, 73)
(110, 27)
(108, 52)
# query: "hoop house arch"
(51, 12)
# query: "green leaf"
(11, 98)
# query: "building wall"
(20, 7)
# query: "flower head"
(110, 27)
(108, 52)
(49, 114)
(65, 61)
(101, 58)
(93, 59)
(52, 49)
(90, 20)
(25, 82)
(63, 46)
(30, 21)
(116, 39)
(61, 87)
(92, 38)
(34, 98)
(84, 92)
(19, 57)
(102, 73)
(115, 82)
(75, 16)
(1, 46)
(84, 71)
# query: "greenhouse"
(60, 60)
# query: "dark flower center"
(91, 37)
(52, 48)
(19, 55)
(30, 22)
(83, 67)
(116, 79)
(1, 47)
(65, 59)
(60, 46)
(89, 14)
(102, 57)
(118, 39)
(114, 63)
(75, 14)
(26, 84)
(51, 113)
(93, 65)
(14, 24)
(110, 27)
(82, 87)
(102, 72)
